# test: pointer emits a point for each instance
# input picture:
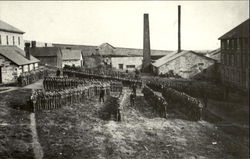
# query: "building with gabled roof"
(72, 57)
(235, 57)
(10, 35)
(48, 56)
(185, 64)
(13, 62)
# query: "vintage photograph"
(124, 79)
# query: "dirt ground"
(77, 131)
(15, 134)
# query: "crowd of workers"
(127, 79)
(192, 106)
(27, 78)
(155, 100)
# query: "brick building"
(235, 57)
(10, 35)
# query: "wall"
(9, 70)
(10, 37)
(186, 66)
(50, 60)
(71, 63)
(115, 61)
(235, 62)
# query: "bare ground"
(77, 131)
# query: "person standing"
(102, 93)
(132, 99)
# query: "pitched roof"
(138, 52)
(241, 30)
(16, 55)
(9, 28)
(87, 50)
(173, 55)
(44, 51)
(68, 54)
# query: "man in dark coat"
(102, 93)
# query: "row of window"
(234, 44)
(127, 66)
(234, 60)
(13, 40)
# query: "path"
(37, 85)
(37, 148)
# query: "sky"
(120, 23)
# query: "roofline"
(18, 64)
(193, 53)
(10, 31)
(220, 38)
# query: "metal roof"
(16, 55)
(9, 28)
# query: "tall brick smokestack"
(179, 28)
(146, 63)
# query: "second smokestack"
(179, 28)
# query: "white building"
(10, 35)
(72, 57)
(126, 63)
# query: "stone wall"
(9, 70)
(187, 65)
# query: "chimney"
(33, 44)
(27, 50)
(146, 62)
(179, 28)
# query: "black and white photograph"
(124, 79)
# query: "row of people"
(27, 78)
(192, 106)
(195, 89)
(57, 98)
(155, 100)
(63, 82)
(126, 80)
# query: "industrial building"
(235, 57)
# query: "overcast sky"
(121, 23)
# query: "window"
(245, 43)
(18, 40)
(200, 64)
(222, 58)
(235, 44)
(7, 40)
(121, 66)
(130, 66)
(222, 44)
(13, 38)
